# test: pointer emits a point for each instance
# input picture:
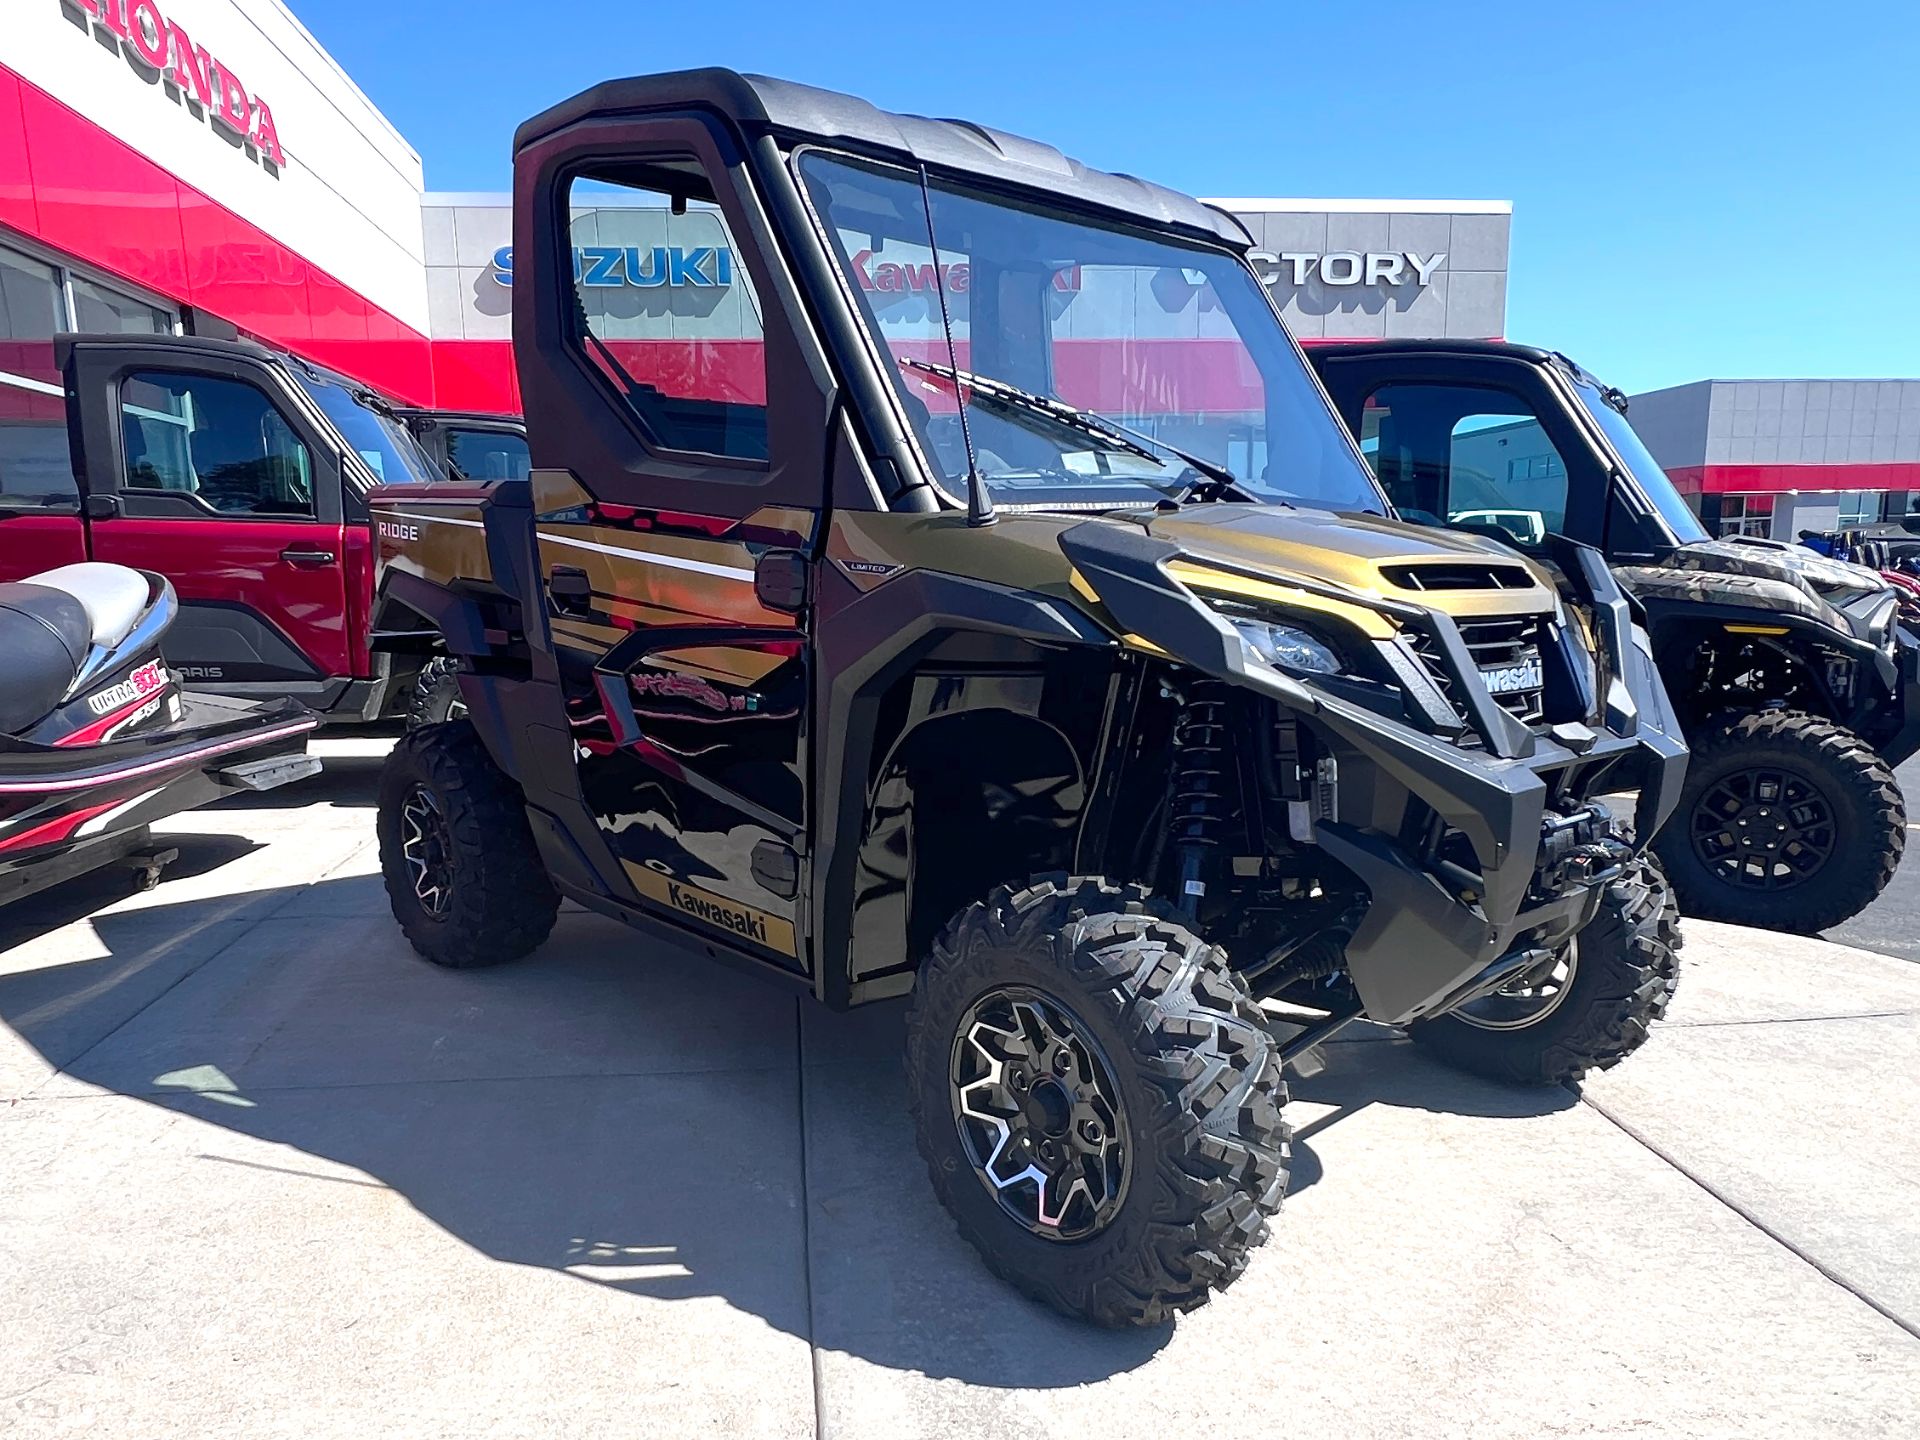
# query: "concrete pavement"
(264, 1173)
(1891, 925)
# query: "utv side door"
(200, 465)
(677, 424)
(1478, 443)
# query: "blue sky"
(1700, 189)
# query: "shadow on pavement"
(621, 1112)
(84, 895)
(1393, 1072)
(344, 782)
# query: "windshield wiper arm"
(1112, 433)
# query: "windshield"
(380, 440)
(1640, 463)
(1086, 356)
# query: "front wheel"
(1097, 1100)
(1587, 1009)
(1787, 821)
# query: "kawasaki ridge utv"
(1797, 688)
(941, 575)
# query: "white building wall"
(348, 199)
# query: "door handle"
(294, 555)
(101, 507)
(571, 590)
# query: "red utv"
(240, 474)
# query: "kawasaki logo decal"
(758, 926)
(1512, 679)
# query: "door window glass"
(488, 455)
(666, 310)
(1466, 456)
(220, 441)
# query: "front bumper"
(1421, 940)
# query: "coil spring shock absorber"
(1199, 802)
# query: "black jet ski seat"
(51, 623)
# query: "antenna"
(979, 503)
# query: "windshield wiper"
(368, 400)
(1012, 400)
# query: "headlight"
(1286, 647)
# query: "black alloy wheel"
(1786, 820)
(1762, 828)
(426, 851)
(1040, 1114)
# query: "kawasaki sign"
(611, 267)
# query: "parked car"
(241, 474)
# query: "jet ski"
(97, 738)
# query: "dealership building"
(204, 166)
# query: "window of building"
(668, 314)
(1858, 507)
(1746, 515)
(98, 310)
(30, 303)
(39, 300)
(220, 441)
(36, 470)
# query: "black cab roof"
(794, 113)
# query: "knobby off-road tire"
(1625, 965)
(435, 697)
(1196, 1079)
(444, 804)
(1865, 822)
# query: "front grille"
(1495, 645)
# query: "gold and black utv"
(941, 576)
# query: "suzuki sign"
(607, 267)
(1348, 267)
(161, 47)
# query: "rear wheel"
(1787, 821)
(1587, 1008)
(1097, 1100)
(463, 876)
(435, 697)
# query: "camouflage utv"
(1794, 681)
(974, 599)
